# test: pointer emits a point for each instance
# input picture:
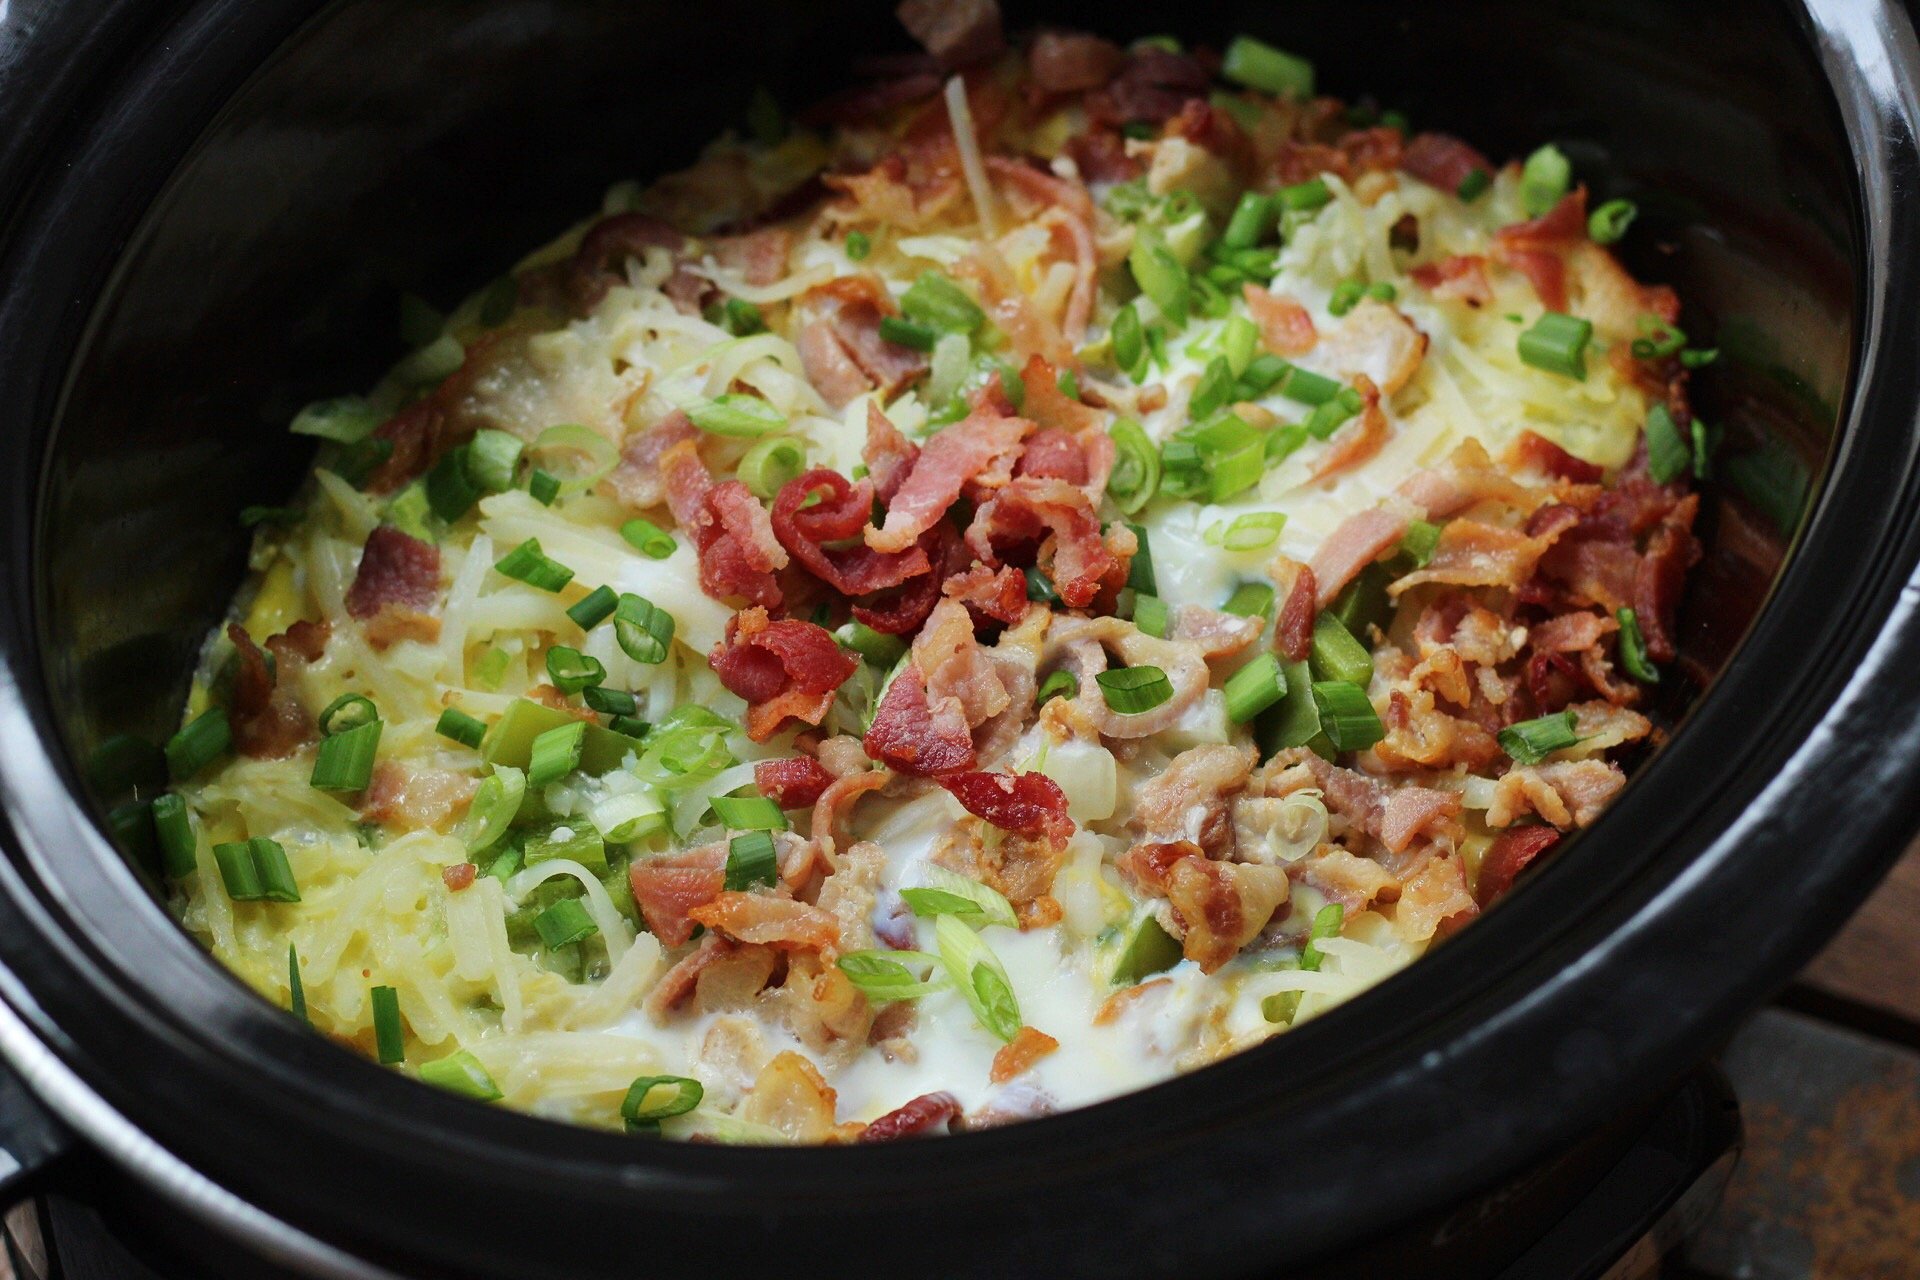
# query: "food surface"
(1052, 567)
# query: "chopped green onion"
(1160, 276)
(1061, 684)
(493, 808)
(648, 538)
(580, 844)
(1254, 531)
(1346, 717)
(1040, 588)
(1336, 655)
(1699, 359)
(748, 813)
(1345, 295)
(347, 420)
(543, 486)
(979, 975)
(1213, 389)
(556, 753)
(1135, 467)
(571, 670)
(610, 702)
(238, 871)
(1283, 442)
(1250, 600)
(1014, 387)
(660, 1098)
(1151, 615)
(276, 875)
(1658, 339)
(435, 362)
(1233, 474)
(199, 743)
(1295, 721)
(905, 333)
(737, 316)
(741, 416)
(1608, 224)
(1474, 185)
(1633, 650)
(1418, 542)
(884, 975)
(1304, 197)
(457, 726)
(1668, 453)
(1259, 65)
(1327, 418)
(388, 1035)
(512, 739)
(1251, 221)
(492, 458)
(564, 923)
(173, 826)
(1706, 442)
(1531, 741)
(1544, 179)
(491, 668)
(1326, 924)
(348, 711)
(1261, 374)
(359, 460)
(1558, 344)
(296, 989)
(877, 647)
(859, 245)
(629, 725)
(1140, 569)
(1239, 340)
(461, 1073)
(1132, 690)
(772, 463)
(948, 893)
(751, 860)
(527, 563)
(1254, 688)
(345, 761)
(1305, 386)
(643, 630)
(1129, 343)
(1363, 602)
(1382, 291)
(251, 516)
(593, 608)
(410, 510)
(939, 303)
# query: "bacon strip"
(1029, 508)
(997, 594)
(888, 454)
(1028, 804)
(925, 1115)
(1462, 277)
(1286, 328)
(396, 570)
(667, 887)
(840, 515)
(1073, 208)
(729, 528)
(1537, 248)
(783, 669)
(984, 441)
(266, 719)
(637, 482)
(793, 783)
(769, 921)
(1293, 633)
(1538, 453)
(1442, 160)
(911, 734)
(1510, 853)
(1357, 542)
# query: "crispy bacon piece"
(793, 783)
(888, 454)
(1071, 211)
(414, 799)
(760, 255)
(840, 795)
(1028, 804)
(1070, 62)
(730, 530)
(669, 886)
(769, 921)
(1028, 509)
(1053, 454)
(1535, 451)
(1101, 156)
(1472, 554)
(900, 612)
(266, 718)
(1537, 248)
(985, 441)
(1355, 543)
(1510, 853)
(1000, 595)
(397, 570)
(783, 668)
(1222, 905)
(1462, 277)
(840, 515)
(1657, 584)
(1152, 87)
(1293, 633)
(637, 481)
(912, 734)
(1359, 439)
(924, 1116)
(1411, 812)
(459, 876)
(1017, 1056)
(599, 263)
(1442, 160)
(840, 345)
(1286, 328)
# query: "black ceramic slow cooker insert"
(206, 210)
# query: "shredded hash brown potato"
(1052, 568)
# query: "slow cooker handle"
(30, 1139)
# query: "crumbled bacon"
(1286, 328)
(599, 263)
(783, 668)
(985, 441)
(459, 876)
(1055, 454)
(1028, 804)
(1510, 853)
(668, 886)
(769, 921)
(415, 799)
(1152, 87)
(912, 735)
(1101, 156)
(1076, 556)
(1657, 584)
(1355, 543)
(888, 454)
(843, 791)
(998, 594)
(1359, 440)
(267, 720)
(843, 331)
(956, 32)
(1442, 161)
(928, 1114)
(838, 512)
(1017, 1056)
(1537, 248)
(397, 570)
(760, 256)
(1293, 633)
(792, 783)
(1462, 277)
(901, 612)
(1222, 906)
(729, 528)
(1536, 452)
(637, 481)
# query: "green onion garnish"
(1658, 339)
(348, 711)
(1531, 741)
(979, 975)
(1474, 185)
(748, 813)
(1239, 339)
(610, 702)
(1345, 295)
(948, 893)
(1261, 374)
(1259, 65)
(1254, 531)
(528, 564)
(1284, 441)
(555, 753)
(1305, 386)
(771, 464)
(461, 1073)
(939, 303)
(1129, 343)
(1700, 358)
(173, 826)
(1326, 924)
(356, 461)
(1040, 588)
(1061, 684)
(435, 362)
(631, 726)
(1151, 615)
(450, 490)
(345, 760)
(296, 989)
(1418, 542)
(877, 647)
(1254, 688)
(583, 845)
(885, 975)
(751, 860)
(411, 511)
(199, 743)
(1544, 179)
(1295, 722)
(493, 808)
(564, 923)
(388, 1035)
(543, 486)
(1346, 717)
(571, 670)
(648, 538)
(1213, 389)
(456, 725)
(1633, 650)
(1609, 223)
(238, 871)
(1382, 291)
(1558, 344)
(1160, 276)
(1706, 442)
(1668, 453)
(593, 608)
(740, 416)
(1252, 220)
(643, 630)
(859, 245)
(1132, 690)
(492, 459)
(906, 333)
(1140, 568)
(1304, 197)
(653, 1098)
(1250, 600)
(1336, 655)
(347, 420)
(251, 516)
(1327, 418)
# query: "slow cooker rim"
(1892, 818)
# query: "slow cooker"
(207, 208)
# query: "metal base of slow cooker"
(1608, 1208)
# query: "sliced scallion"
(610, 702)
(348, 711)
(1254, 531)
(748, 813)
(1474, 185)
(1418, 542)
(296, 989)
(1336, 655)
(173, 827)
(1633, 653)
(771, 464)
(1250, 600)
(389, 1035)
(979, 975)
(1252, 220)
(1140, 569)
(1608, 224)
(1254, 688)
(543, 486)
(654, 1098)
(493, 808)
(1132, 690)
(593, 608)
(939, 303)
(1557, 343)
(877, 647)
(1129, 343)
(1304, 197)
(238, 872)
(199, 743)
(859, 245)
(905, 333)
(1531, 741)
(1346, 717)
(461, 1073)
(1151, 615)
(564, 923)
(556, 753)
(1259, 65)
(345, 760)
(1668, 453)
(1213, 390)
(648, 538)
(740, 416)
(643, 630)
(571, 670)
(1160, 276)
(456, 725)
(527, 563)
(889, 975)
(450, 489)
(751, 860)
(346, 420)
(1544, 179)
(1061, 684)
